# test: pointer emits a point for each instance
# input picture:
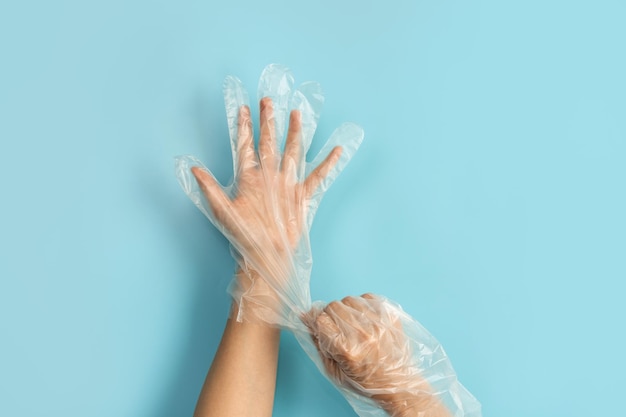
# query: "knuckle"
(332, 307)
(348, 299)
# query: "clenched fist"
(364, 348)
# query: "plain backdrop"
(488, 197)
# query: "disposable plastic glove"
(381, 359)
(372, 349)
(267, 210)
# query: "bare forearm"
(242, 378)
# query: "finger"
(246, 156)
(326, 334)
(354, 303)
(327, 340)
(268, 151)
(389, 314)
(276, 82)
(235, 96)
(347, 347)
(349, 137)
(345, 317)
(308, 318)
(393, 315)
(320, 173)
(218, 200)
(322, 327)
(368, 317)
(293, 157)
(189, 183)
(373, 301)
(359, 304)
(334, 344)
(309, 100)
(336, 309)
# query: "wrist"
(254, 300)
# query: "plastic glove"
(381, 359)
(372, 349)
(267, 210)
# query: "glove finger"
(268, 150)
(276, 82)
(293, 158)
(206, 193)
(235, 97)
(348, 136)
(308, 99)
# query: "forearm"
(242, 378)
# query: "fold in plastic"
(284, 264)
(383, 361)
(266, 213)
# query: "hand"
(364, 349)
(265, 218)
(268, 209)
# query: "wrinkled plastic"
(266, 213)
(274, 187)
(383, 361)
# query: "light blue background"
(488, 197)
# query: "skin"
(242, 378)
(265, 218)
(363, 347)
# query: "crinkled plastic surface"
(382, 360)
(274, 187)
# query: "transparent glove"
(383, 361)
(267, 210)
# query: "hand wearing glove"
(265, 218)
(267, 211)
(365, 350)
(383, 361)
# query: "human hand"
(364, 349)
(265, 217)
(267, 210)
